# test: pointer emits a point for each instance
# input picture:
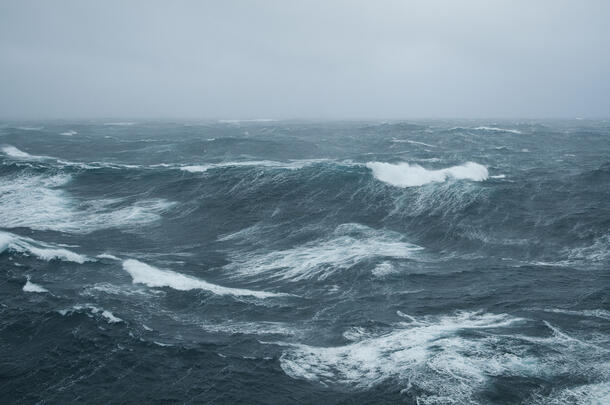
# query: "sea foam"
(42, 250)
(289, 165)
(428, 355)
(406, 175)
(16, 153)
(348, 245)
(33, 288)
(43, 205)
(142, 273)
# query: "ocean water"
(441, 262)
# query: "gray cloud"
(309, 59)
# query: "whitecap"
(107, 256)
(33, 288)
(142, 273)
(406, 175)
(587, 394)
(496, 129)
(92, 310)
(384, 269)
(289, 165)
(42, 250)
(69, 133)
(16, 153)
(412, 142)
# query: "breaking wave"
(20, 244)
(406, 175)
(142, 273)
(448, 359)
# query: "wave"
(16, 153)
(142, 273)
(394, 140)
(37, 202)
(290, 165)
(33, 288)
(590, 394)
(496, 129)
(14, 243)
(120, 124)
(444, 359)
(429, 354)
(247, 120)
(591, 313)
(348, 245)
(69, 133)
(405, 175)
(93, 310)
(26, 128)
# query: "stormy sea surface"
(441, 262)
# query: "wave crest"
(42, 250)
(406, 175)
(142, 273)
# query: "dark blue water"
(278, 262)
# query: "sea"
(277, 262)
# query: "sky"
(282, 59)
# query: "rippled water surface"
(280, 261)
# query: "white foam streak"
(44, 251)
(348, 245)
(496, 129)
(289, 165)
(412, 142)
(107, 315)
(406, 175)
(142, 273)
(592, 313)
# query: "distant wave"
(26, 128)
(406, 175)
(348, 245)
(496, 129)
(120, 123)
(412, 142)
(291, 165)
(142, 273)
(247, 120)
(14, 243)
(14, 152)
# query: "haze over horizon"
(315, 59)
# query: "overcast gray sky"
(304, 59)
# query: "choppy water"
(278, 262)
